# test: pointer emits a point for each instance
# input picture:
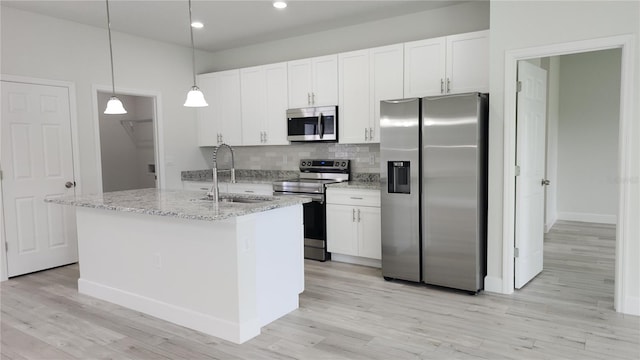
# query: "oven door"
(315, 226)
(312, 124)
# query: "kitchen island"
(224, 269)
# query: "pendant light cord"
(193, 49)
(113, 83)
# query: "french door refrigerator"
(433, 158)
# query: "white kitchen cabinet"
(220, 122)
(365, 77)
(353, 223)
(313, 82)
(226, 187)
(447, 65)
(264, 104)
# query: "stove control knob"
(336, 164)
(304, 163)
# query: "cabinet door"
(207, 120)
(387, 70)
(468, 62)
(354, 105)
(424, 67)
(225, 101)
(300, 83)
(325, 80)
(275, 124)
(342, 229)
(369, 239)
(253, 87)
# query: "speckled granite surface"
(242, 175)
(360, 181)
(178, 203)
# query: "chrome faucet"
(214, 192)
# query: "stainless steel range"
(314, 175)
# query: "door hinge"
(517, 170)
(519, 86)
(516, 252)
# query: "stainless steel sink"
(238, 199)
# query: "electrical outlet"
(157, 261)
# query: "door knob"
(69, 184)
(545, 182)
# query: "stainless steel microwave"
(313, 124)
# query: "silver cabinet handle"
(249, 191)
(261, 137)
(448, 85)
(545, 182)
(313, 98)
(353, 218)
(355, 198)
(441, 86)
(371, 134)
(69, 184)
(308, 98)
(365, 134)
(265, 137)
(358, 215)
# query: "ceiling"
(228, 24)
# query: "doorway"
(581, 152)
(624, 265)
(128, 143)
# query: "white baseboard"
(188, 318)
(587, 217)
(631, 306)
(356, 260)
(493, 284)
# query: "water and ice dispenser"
(399, 175)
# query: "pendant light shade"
(195, 98)
(114, 106)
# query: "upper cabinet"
(264, 104)
(447, 65)
(313, 82)
(365, 77)
(220, 122)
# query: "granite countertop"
(242, 176)
(178, 203)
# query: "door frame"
(158, 131)
(624, 221)
(75, 148)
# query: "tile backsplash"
(365, 158)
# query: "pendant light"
(114, 105)
(195, 98)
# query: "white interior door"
(530, 157)
(37, 163)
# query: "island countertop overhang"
(178, 203)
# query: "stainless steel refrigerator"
(433, 158)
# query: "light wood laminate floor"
(350, 312)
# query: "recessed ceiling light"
(197, 25)
(279, 4)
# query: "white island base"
(224, 278)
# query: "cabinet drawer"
(353, 197)
(196, 185)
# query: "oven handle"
(314, 197)
(320, 126)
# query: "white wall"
(466, 17)
(588, 136)
(552, 65)
(525, 24)
(48, 48)
(124, 159)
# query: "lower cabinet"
(353, 223)
(225, 187)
